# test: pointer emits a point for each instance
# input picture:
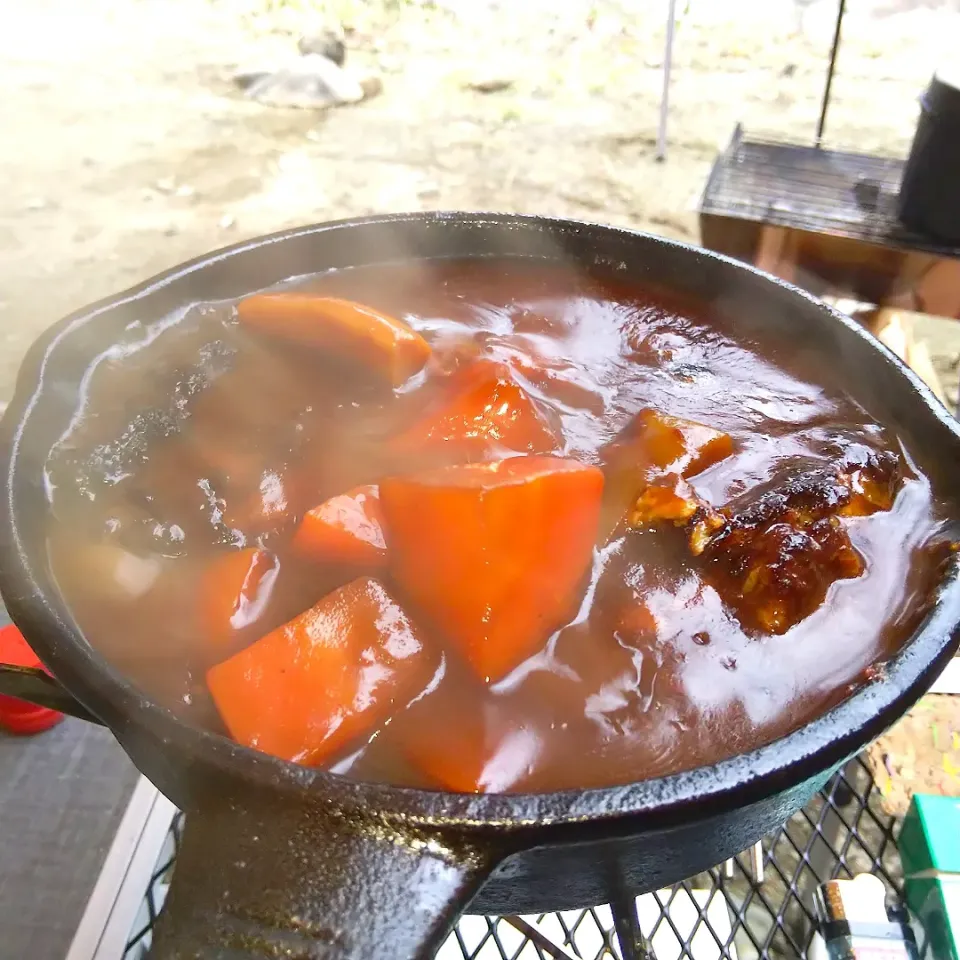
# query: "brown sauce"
(655, 670)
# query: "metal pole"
(665, 96)
(833, 62)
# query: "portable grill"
(826, 219)
(757, 906)
(812, 189)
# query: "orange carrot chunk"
(654, 445)
(347, 330)
(674, 445)
(471, 761)
(494, 553)
(326, 678)
(344, 529)
(484, 414)
(234, 592)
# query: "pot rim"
(824, 742)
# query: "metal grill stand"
(757, 906)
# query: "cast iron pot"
(283, 861)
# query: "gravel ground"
(127, 148)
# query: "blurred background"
(129, 142)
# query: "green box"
(930, 852)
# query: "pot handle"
(39, 688)
(263, 879)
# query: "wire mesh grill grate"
(751, 908)
(801, 187)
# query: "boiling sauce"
(205, 438)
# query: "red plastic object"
(18, 716)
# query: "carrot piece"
(494, 553)
(456, 742)
(329, 676)
(654, 445)
(465, 761)
(679, 446)
(235, 589)
(344, 529)
(484, 414)
(349, 331)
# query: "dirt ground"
(126, 149)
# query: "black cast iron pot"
(283, 861)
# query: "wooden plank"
(895, 328)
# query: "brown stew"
(492, 525)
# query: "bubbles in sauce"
(200, 497)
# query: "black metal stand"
(626, 925)
(843, 831)
(841, 9)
